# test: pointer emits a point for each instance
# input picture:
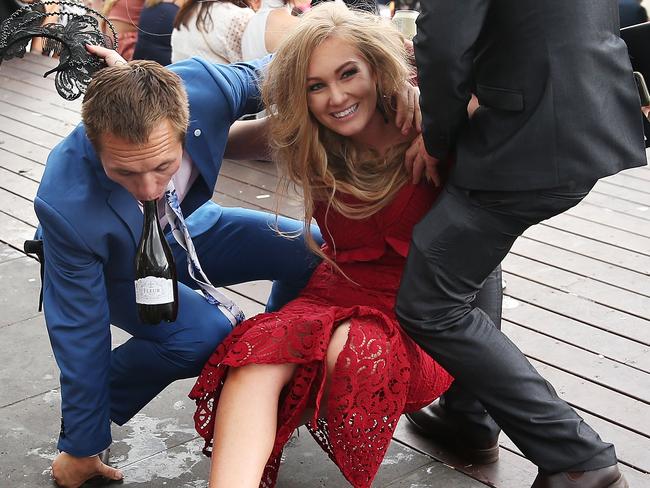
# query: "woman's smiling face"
(341, 88)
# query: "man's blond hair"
(129, 100)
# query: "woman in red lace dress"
(335, 357)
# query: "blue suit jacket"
(91, 227)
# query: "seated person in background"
(335, 357)
(211, 30)
(124, 15)
(631, 12)
(367, 5)
(267, 28)
(155, 30)
(144, 126)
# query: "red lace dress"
(379, 375)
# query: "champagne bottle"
(156, 288)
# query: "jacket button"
(197, 132)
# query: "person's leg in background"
(454, 249)
(457, 419)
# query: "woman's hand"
(418, 161)
(110, 57)
(407, 109)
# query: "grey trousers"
(454, 249)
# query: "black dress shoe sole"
(561, 480)
(471, 455)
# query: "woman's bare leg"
(336, 345)
(245, 424)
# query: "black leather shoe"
(456, 432)
(609, 477)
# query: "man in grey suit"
(558, 110)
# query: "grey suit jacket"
(558, 100)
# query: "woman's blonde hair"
(325, 165)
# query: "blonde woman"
(335, 358)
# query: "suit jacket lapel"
(121, 201)
(126, 208)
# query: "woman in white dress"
(211, 30)
(267, 28)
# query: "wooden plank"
(21, 166)
(511, 471)
(584, 246)
(623, 193)
(252, 174)
(579, 309)
(259, 174)
(596, 368)
(18, 207)
(270, 168)
(37, 59)
(629, 181)
(582, 265)
(258, 291)
(577, 333)
(610, 218)
(37, 85)
(15, 86)
(17, 185)
(631, 448)
(602, 200)
(27, 149)
(30, 64)
(248, 306)
(39, 106)
(13, 72)
(642, 172)
(597, 400)
(37, 119)
(35, 135)
(599, 292)
(258, 197)
(14, 232)
(601, 233)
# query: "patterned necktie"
(182, 236)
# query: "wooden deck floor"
(578, 286)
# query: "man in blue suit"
(138, 134)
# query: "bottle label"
(152, 290)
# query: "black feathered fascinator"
(66, 40)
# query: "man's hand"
(71, 472)
(407, 109)
(646, 111)
(418, 161)
(110, 57)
